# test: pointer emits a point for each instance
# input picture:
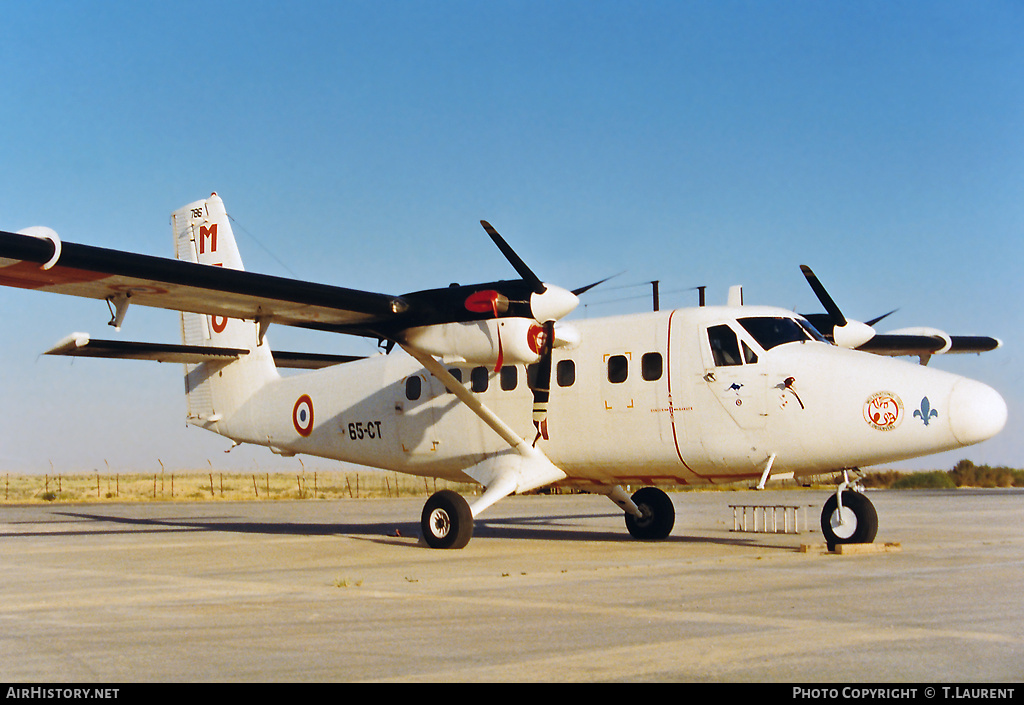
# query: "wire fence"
(199, 485)
(217, 486)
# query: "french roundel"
(302, 415)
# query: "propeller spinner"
(845, 333)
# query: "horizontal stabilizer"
(310, 361)
(81, 345)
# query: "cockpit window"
(725, 347)
(812, 331)
(770, 332)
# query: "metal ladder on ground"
(745, 518)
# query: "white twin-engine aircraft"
(492, 388)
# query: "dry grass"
(216, 486)
(198, 485)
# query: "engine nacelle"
(510, 341)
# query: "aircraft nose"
(976, 411)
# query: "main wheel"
(857, 523)
(659, 515)
(447, 521)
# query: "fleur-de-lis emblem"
(926, 413)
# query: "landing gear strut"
(447, 521)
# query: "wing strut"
(527, 468)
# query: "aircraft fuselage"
(688, 396)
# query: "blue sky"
(359, 144)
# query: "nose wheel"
(848, 517)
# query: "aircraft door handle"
(709, 377)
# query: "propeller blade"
(833, 310)
(873, 321)
(517, 263)
(588, 287)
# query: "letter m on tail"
(207, 232)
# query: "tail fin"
(216, 390)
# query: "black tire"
(447, 521)
(659, 515)
(860, 514)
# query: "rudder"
(215, 391)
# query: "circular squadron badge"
(883, 411)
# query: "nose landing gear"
(848, 517)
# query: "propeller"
(845, 333)
(548, 303)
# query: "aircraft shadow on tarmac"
(563, 528)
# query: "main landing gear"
(447, 521)
(657, 515)
(650, 514)
(848, 517)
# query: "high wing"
(32, 262)
(44, 263)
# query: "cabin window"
(725, 347)
(457, 374)
(618, 369)
(565, 373)
(771, 332)
(413, 388)
(478, 379)
(509, 377)
(651, 366)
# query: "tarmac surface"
(550, 589)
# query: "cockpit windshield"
(771, 331)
